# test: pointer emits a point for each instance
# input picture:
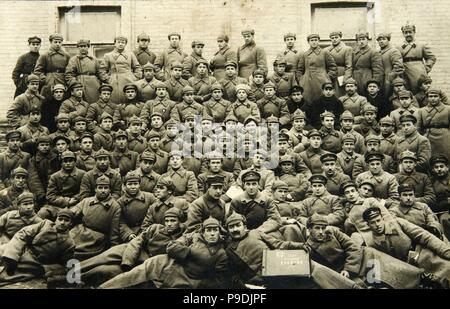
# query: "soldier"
(52, 106)
(297, 182)
(399, 85)
(75, 105)
(176, 83)
(296, 101)
(311, 156)
(376, 98)
(321, 202)
(411, 140)
(388, 137)
(346, 122)
(331, 138)
(230, 81)
(100, 221)
(315, 67)
(392, 61)
(221, 57)
(243, 108)
(63, 127)
(63, 187)
(103, 105)
(172, 136)
(156, 125)
(51, 66)
(25, 65)
(418, 58)
(128, 108)
(161, 104)
(188, 105)
(440, 178)
(214, 163)
(405, 108)
(368, 124)
(134, 205)
(163, 62)
(84, 69)
(326, 102)
(297, 135)
(424, 85)
(120, 68)
(190, 62)
(143, 54)
(347, 157)
(343, 56)
(217, 106)
(85, 156)
(79, 128)
(334, 177)
(102, 167)
(367, 63)
(103, 137)
(201, 82)
(249, 56)
(122, 158)
(32, 130)
(12, 157)
(146, 85)
(353, 101)
(283, 80)
(60, 144)
(290, 53)
(18, 112)
(161, 156)
(271, 104)
(257, 85)
(184, 181)
(19, 184)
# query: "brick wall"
(205, 19)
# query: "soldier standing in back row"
(392, 61)
(249, 56)
(221, 57)
(142, 53)
(25, 65)
(290, 54)
(163, 63)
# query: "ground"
(32, 284)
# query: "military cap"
(269, 84)
(350, 81)
(272, 119)
(434, 91)
(223, 37)
(424, 79)
(34, 39)
(173, 34)
(174, 212)
(407, 155)
(202, 61)
(102, 180)
(259, 72)
(327, 114)
(153, 134)
(68, 154)
(372, 156)
(148, 155)
(298, 114)
(387, 120)
(316, 219)
(260, 152)
(130, 86)
(176, 64)
(105, 115)
(371, 213)
(215, 154)
(156, 113)
(329, 84)
(405, 187)
(216, 86)
(234, 218)
(369, 108)
(438, 158)
(74, 84)
(61, 137)
(251, 176)
(197, 42)
(408, 27)
(56, 36)
(19, 171)
(314, 132)
(165, 182)
(280, 60)
(25, 196)
(132, 175)
(143, 36)
(244, 87)
(187, 89)
(102, 153)
(13, 134)
(120, 133)
(368, 181)
(313, 35)
(43, 139)
(279, 184)
(78, 119)
(83, 42)
(248, 30)
(290, 35)
(105, 87)
(328, 157)
(62, 116)
(120, 37)
(171, 123)
(347, 115)
(32, 78)
(346, 185)
(250, 118)
(87, 135)
(176, 153)
(286, 158)
(65, 212)
(207, 117)
(406, 118)
(404, 94)
(338, 33)
(189, 115)
(362, 35)
(398, 81)
(215, 180)
(160, 84)
(148, 66)
(231, 63)
(373, 81)
(230, 117)
(134, 119)
(384, 35)
(348, 137)
(318, 178)
(59, 87)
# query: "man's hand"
(345, 274)
(10, 265)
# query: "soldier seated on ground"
(19, 184)
(11, 158)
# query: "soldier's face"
(408, 165)
(130, 94)
(174, 41)
(280, 69)
(58, 94)
(120, 44)
(407, 198)
(386, 129)
(372, 89)
(375, 167)
(14, 144)
(156, 122)
(399, 87)
(83, 49)
(362, 42)
(258, 79)
(172, 224)
(350, 89)
(296, 96)
(221, 44)
(198, 49)
(86, 145)
(236, 230)
(230, 71)
(351, 195)
(283, 146)
(318, 189)
(315, 142)
(251, 127)
(188, 97)
(211, 234)
(33, 86)
(80, 126)
(248, 38)
(143, 43)
(35, 117)
(176, 73)
(217, 94)
(215, 191)
(317, 232)
(175, 161)
(335, 39)
(328, 92)
(62, 224)
(372, 146)
(241, 95)
(147, 165)
(347, 124)
(329, 167)
(286, 167)
(258, 160)
(56, 44)
(313, 42)
(77, 92)
(425, 86)
(215, 165)
(366, 191)
(161, 92)
(409, 35)
(68, 164)
(135, 128)
(328, 122)
(299, 124)
(43, 147)
(121, 142)
(153, 143)
(251, 187)
(202, 69)
(440, 169)
(190, 122)
(405, 102)
(19, 181)
(269, 92)
(102, 163)
(376, 225)
(132, 187)
(61, 146)
(107, 124)
(280, 194)
(34, 47)
(434, 99)
(408, 127)
(162, 192)
(172, 131)
(383, 42)
(102, 192)
(148, 74)
(26, 208)
(370, 116)
(290, 42)
(206, 126)
(348, 146)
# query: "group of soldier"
(171, 171)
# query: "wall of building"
(205, 19)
